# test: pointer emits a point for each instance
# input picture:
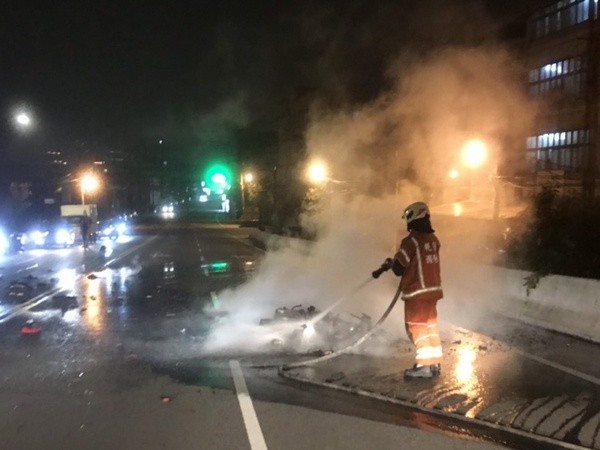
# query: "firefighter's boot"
(419, 372)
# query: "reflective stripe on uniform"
(419, 262)
(429, 352)
(421, 291)
(405, 256)
(426, 336)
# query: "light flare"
(475, 153)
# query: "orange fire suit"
(421, 288)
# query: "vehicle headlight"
(108, 230)
(4, 244)
(38, 237)
(165, 209)
(122, 228)
(63, 236)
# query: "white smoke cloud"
(416, 129)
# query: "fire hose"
(375, 274)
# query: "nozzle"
(377, 273)
(387, 264)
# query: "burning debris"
(304, 329)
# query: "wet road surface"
(120, 363)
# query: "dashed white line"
(255, 436)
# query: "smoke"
(390, 152)
(320, 273)
(418, 128)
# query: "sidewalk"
(483, 382)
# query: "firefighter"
(418, 262)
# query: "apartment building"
(562, 56)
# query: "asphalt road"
(120, 360)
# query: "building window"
(568, 76)
(563, 150)
(560, 15)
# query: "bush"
(559, 235)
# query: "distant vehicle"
(10, 239)
(49, 234)
(114, 228)
(4, 242)
(166, 211)
(74, 215)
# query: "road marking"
(565, 369)
(44, 296)
(129, 252)
(28, 304)
(215, 300)
(255, 436)
(33, 266)
(539, 359)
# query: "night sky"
(121, 75)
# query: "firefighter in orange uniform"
(418, 262)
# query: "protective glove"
(387, 265)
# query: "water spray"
(310, 324)
(355, 344)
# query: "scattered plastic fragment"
(31, 329)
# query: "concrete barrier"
(566, 304)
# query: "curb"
(439, 413)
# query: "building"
(561, 53)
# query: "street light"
(474, 153)
(317, 172)
(23, 119)
(89, 183)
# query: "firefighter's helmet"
(415, 211)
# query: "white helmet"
(415, 211)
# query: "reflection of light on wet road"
(94, 314)
(467, 379)
(108, 246)
(66, 279)
(464, 369)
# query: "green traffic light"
(219, 177)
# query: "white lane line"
(565, 369)
(539, 359)
(17, 310)
(27, 268)
(255, 436)
(129, 252)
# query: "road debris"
(31, 329)
(335, 377)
